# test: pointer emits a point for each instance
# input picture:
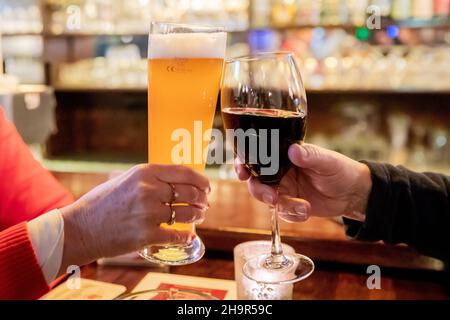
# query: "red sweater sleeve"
(27, 190)
(20, 274)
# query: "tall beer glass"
(185, 66)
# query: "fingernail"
(201, 207)
(267, 198)
(285, 217)
(300, 210)
(196, 195)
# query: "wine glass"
(264, 110)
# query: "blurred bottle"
(329, 13)
(384, 7)
(236, 14)
(264, 40)
(417, 157)
(399, 126)
(422, 9)
(20, 17)
(283, 13)
(440, 146)
(357, 11)
(308, 12)
(358, 119)
(401, 9)
(260, 13)
(343, 12)
(441, 8)
(334, 12)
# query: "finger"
(240, 169)
(293, 209)
(294, 206)
(183, 213)
(313, 157)
(292, 218)
(182, 193)
(181, 175)
(262, 192)
(190, 194)
(172, 236)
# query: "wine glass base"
(297, 267)
(174, 255)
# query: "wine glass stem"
(277, 259)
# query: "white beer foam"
(187, 45)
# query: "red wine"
(291, 128)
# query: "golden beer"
(184, 75)
(181, 92)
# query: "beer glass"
(185, 66)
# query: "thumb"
(315, 158)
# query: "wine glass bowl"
(265, 91)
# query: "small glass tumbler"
(248, 289)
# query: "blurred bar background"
(377, 74)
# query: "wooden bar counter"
(341, 264)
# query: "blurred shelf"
(438, 22)
(120, 34)
(378, 91)
(442, 22)
(21, 34)
(88, 34)
(97, 90)
(348, 27)
(442, 169)
(309, 91)
(84, 165)
(98, 163)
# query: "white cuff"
(47, 236)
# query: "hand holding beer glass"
(185, 66)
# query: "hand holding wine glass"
(321, 183)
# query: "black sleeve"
(406, 207)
